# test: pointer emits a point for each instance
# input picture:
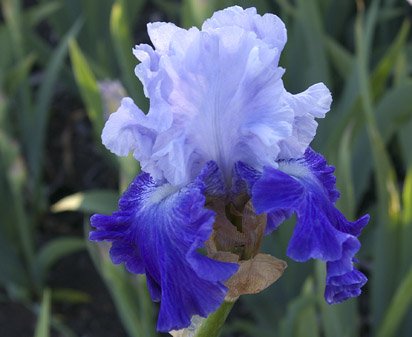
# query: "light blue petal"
(268, 28)
(217, 94)
(223, 97)
(127, 131)
(312, 103)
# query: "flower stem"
(213, 324)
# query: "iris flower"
(222, 135)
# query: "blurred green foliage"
(361, 50)
(23, 123)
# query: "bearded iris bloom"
(222, 135)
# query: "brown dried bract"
(254, 275)
(253, 225)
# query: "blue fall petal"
(306, 187)
(275, 219)
(340, 288)
(343, 281)
(158, 230)
(244, 178)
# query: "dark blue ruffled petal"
(158, 231)
(243, 178)
(323, 172)
(275, 219)
(340, 288)
(212, 179)
(307, 187)
(343, 280)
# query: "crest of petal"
(158, 230)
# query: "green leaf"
(36, 14)
(17, 222)
(213, 324)
(399, 305)
(344, 174)
(387, 63)
(342, 60)
(12, 12)
(337, 17)
(307, 324)
(53, 251)
(387, 239)
(121, 35)
(299, 315)
(194, 12)
(93, 201)
(331, 323)
(88, 87)
(393, 113)
(312, 28)
(407, 198)
(39, 119)
(12, 270)
(133, 10)
(67, 295)
(405, 137)
(129, 168)
(172, 8)
(245, 327)
(11, 164)
(350, 103)
(385, 173)
(406, 230)
(94, 41)
(394, 110)
(129, 294)
(370, 22)
(61, 327)
(43, 322)
(18, 74)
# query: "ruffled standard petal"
(268, 28)
(128, 130)
(306, 106)
(158, 231)
(219, 89)
(214, 88)
(217, 94)
(306, 187)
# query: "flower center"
(236, 231)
